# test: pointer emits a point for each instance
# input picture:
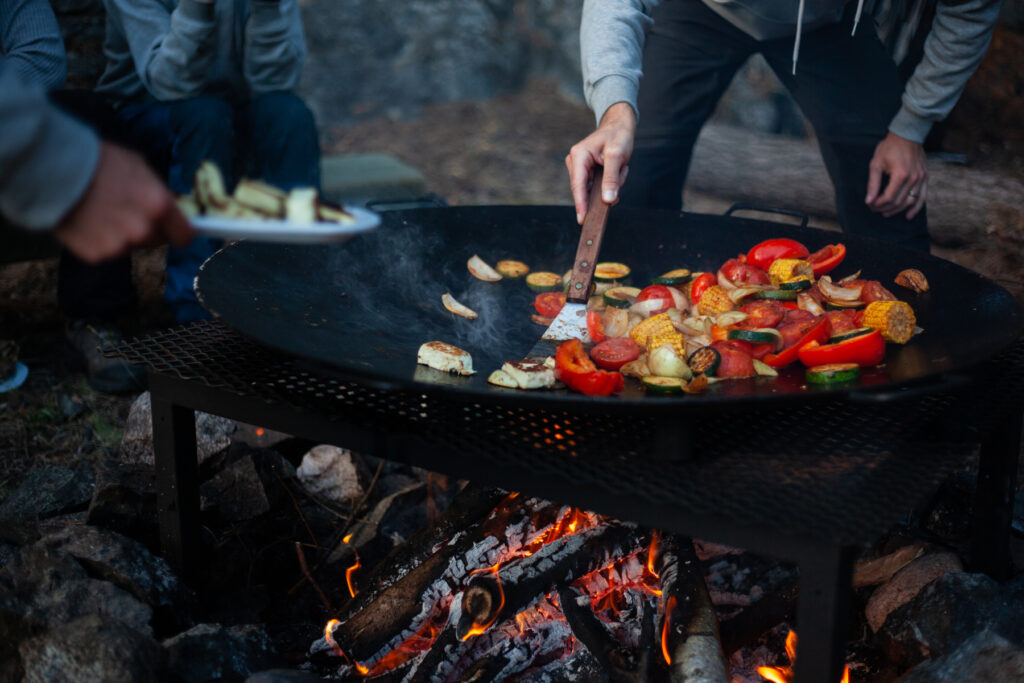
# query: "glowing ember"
(259, 431)
(669, 607)
(784, 674)
(351, 570)
(477, 628)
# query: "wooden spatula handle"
(590, 243)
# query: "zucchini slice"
(704, 360)
(761, 335)
(512, 269)
(610, 271)
(833, 373)
(841, 306)
(663, 385)
(543, 281)
(798, 285)
(776, 294)
(679, 276)
(621, 297)
(849, 334)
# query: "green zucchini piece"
(850, 334)
(758, 336)
(663, 385)
(610, 271)
(776, 294)
(704, 360)
(621, 297)
(679, 276)
(836, 306)
(512, 269)
(798, 285)
(833, 373)
(543, 281)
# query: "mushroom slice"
(455, 307)
(481, 271)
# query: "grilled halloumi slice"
(300, 206)
(209, 186)
(502, 379)
(261, 197)
(529, 374)
(446, 358)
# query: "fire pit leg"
(823, 608)
(177, 482)
(993, 498)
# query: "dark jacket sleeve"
(275, 47)
(31, 43)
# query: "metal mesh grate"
(827, 470)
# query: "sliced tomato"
(574, 367)
(549, 304)
(612, 354)
(736, 362)
(657, 293)
(595, 326)
(864, 350)
(827, 258)
(872, 290)
(600, 383)
(700, 285)
(738, 270)
(842, 321)
(761, 314)
(796, 335)
(761, 255)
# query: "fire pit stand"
(808, 482)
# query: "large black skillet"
(361, 309)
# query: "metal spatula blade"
(571, 321)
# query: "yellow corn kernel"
(655, 325)
(894, 319)
(715, 300)
(673, 338)
(789, 269)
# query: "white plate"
(285, 231)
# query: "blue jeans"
(272, 137)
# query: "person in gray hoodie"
(211, 80)
(870, 126)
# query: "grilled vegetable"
(679, 276)
(621, 297)
(663, 385)
(481, 271)
(673, 339)
(761, 335)
(715, 300)
(777, 294)
(894, 319)
(655, 325)
(789, 269)
(912, 279)
(666, 361)
(861, 349)
(512, 269)
(455, 307)
(850, 334)
(798, 284)
(833, 373)
(705, 360)
(543, 281)
(611, 272)
(762, 255)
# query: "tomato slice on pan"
(614, 353)
(549, 304)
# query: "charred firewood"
(484, 670)
(426, 666)
(689, 626)
(382, 612)
(491, 596)
(620, 664)
(772, 609)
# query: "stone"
(208, 652)
(125, 501)
(331, 474)
(213, 433)
(236, 492)
(907, 583)
(282, 676)
(354, 178)
(91, 648)
(986, 656)
(50, 490)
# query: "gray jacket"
(47, 158)
(175, 49)
(612, 38)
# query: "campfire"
(531, 587)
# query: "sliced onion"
(835, 292)
(646, 308)
(725, 282)
(616, 322)
(763, 369)
(682, 302)
(736, 295)
(806, 302)
(850, 278)
(730, 318)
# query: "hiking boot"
(88, 340)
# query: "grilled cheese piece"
(446, 358)
(188, 205)
(530, 374)
(261, 197)
(502, 379)
(334, 214)
(209, 187)
(300, 207)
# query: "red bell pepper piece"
(700, 285)
(865, 350)
(818, 332)
(574, 367)
(827, 258)
(595, 327)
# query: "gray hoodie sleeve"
(47, 159)
(30, 42)
(954, 48)
(275, 47)
(611, 51)
(172, 48)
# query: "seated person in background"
(210, 79)
(93, 297)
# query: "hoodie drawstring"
(800, 23)
(856, 19)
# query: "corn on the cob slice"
(655, 325)
(894, 319)
(789, 269)
(673, 338)
(715, 300)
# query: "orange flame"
(329, 637)
(669, 606)
(476, 629)
(351, 570)
(653, 551)
(784, 674)
(259, 431)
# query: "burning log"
(769, 611)
(506, 590)
(689, 633)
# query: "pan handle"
(804, 218)
(948, 382)
(424, 202)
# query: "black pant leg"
(849, 89)
(104, 291)
(690, 57)
(278, 136)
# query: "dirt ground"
(509, 150)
